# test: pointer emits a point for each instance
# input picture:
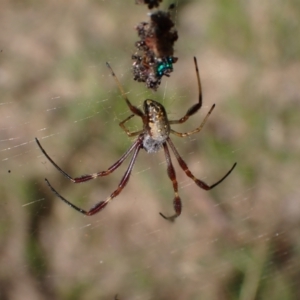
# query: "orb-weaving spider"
(153, 137)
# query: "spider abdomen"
(151, 145)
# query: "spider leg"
(172, 176)
(100, 205)
(185, 168)
(122, 125)
(133, 108)
(88, 177)
(194, 108)
(197, 129)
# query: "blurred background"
(237, 241)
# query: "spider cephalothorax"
(154, 136)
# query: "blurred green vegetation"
(238, 241)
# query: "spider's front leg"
(180, 134)
(133, 108)
(130, 134)
(194, 108)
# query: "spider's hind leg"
(172, 175)
(187, 171)
(101, 204)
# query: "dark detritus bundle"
(150, 69)
(150, 3)
(159, 35)
(154, 57)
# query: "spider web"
(238, 241)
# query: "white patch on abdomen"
(151, 145)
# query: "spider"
(154, 136)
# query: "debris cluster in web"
(154, 56)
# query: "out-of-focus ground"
(238, 241)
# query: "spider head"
(154, 111)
